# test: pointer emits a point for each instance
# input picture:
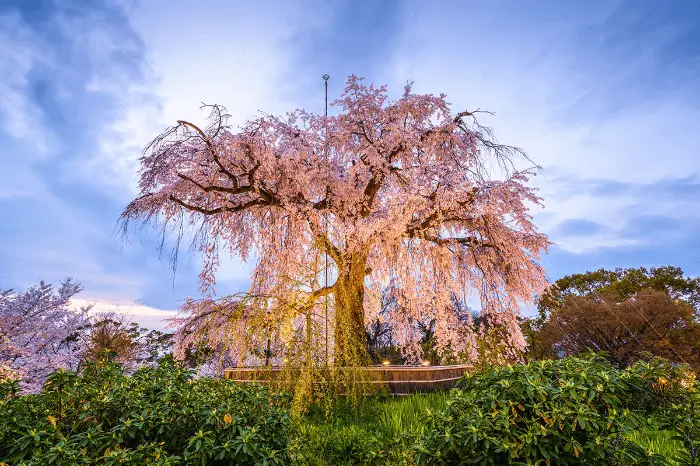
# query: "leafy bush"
(675, 399)
(643, 415)
(158, 415)
(569, 411)
(669, 382)
(684, 420)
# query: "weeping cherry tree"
(399, 195)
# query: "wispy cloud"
(145, 316)
(586, 91)
(21, 118)
(71, 70)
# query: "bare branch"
(211, 148)
(221, 189)
(218, 210)
(469, 241)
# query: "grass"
(658, 441)
(405, 414)
(377, 432)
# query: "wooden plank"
(400, 379)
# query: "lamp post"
(326, 77)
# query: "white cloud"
(24, 136)
(145, 316)
(582, 244)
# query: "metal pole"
(326, 77)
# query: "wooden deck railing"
(400, 379)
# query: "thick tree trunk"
(350, 347)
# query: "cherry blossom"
(398, 195)
(40, 333)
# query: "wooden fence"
(400, 380)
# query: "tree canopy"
(621, 284)
(39, 333)
(624, 312)
(395, 194)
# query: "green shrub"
(673, 399)
(569, 411)
(159, 415)
(680, 414)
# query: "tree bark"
(349, 334)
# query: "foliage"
(158, 415)
(325, 444)
(391, 193)
(493, 345)
(397, 431)
(161, 415)
(130, 343)
(622, 312)
(570, 411)
(380, 431)
(109, 335)
(39, 333)
(675, 397)
(648, 322)
(620, 285)
(682, 419)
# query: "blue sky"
(602, 94)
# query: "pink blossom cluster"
(399, 193)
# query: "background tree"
(153, 344)
(380, 344)
(395, 193)
(624, 312)
(649, 322)
(620, 284)
(39, 333)
(131, 344)
(109, 335)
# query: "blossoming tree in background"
(396, 195)
(40, 333)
